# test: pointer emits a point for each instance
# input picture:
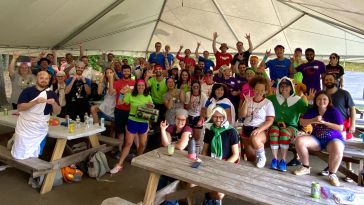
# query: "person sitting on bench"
(327, 125)
(35, 105)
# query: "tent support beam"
(88, 24)
(226, 21)
(155, 26)
(191, 32)
(280, 30)
(341, 24)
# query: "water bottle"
(102, 123)
(90, 121)
(191, 148)
(78, 121)
(86, 121)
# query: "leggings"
(281, 137)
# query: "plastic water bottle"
(86, 121)
(102, 122)
(90, 121)
(191, 148)
(78, 121)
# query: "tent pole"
(226, 21)
(155, 27)
(191, 32)
(342, 25)
(88, 24)
(280, 30)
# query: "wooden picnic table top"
(55, 131)
(243, 181)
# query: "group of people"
(199, 97)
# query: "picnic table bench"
(37, 167)
(242, 181)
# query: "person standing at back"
(223, 57)
(312, 71)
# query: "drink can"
(71, 127)
(102, 122)
(315, 190)
(6, 112)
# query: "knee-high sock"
(273, 137)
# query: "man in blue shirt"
(278, 67)
(157, 57)
(44, 65)
(205, 59)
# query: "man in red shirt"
(222, 58)
(121, 113)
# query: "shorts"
(137, 127)
(247, 130)
(101, 114)
(121, 118)
(324, 142)
(192, 121)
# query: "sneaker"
(116, 169)
(261, 161)
(325, 172)
(294, 162)
(282, 166)
(302, 171)
(348, 179)
(274, 164)
(334, 181)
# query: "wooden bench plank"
(227, 178)
(109, 140)
(33, 166)
(117, 201)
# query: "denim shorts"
(137, 127)
(101, 114)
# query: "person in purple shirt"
(278, 67)
(327, 126)
(312, 71)
(232, 85)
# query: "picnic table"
(37, 167)
(242, 181)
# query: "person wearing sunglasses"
(335, 68)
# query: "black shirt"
(229, 138)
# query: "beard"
(329, 85)
(42, 85)
(158, 73)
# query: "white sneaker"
(261, 161)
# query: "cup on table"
(171, 149)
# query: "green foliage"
(93, 59)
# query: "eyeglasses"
(218, 117)
(181, 120)
(332, 57)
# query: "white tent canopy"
(132, 26)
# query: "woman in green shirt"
(135, 126)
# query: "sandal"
(116, 169)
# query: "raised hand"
(247, 36)
(214, 35)
(311, 94)
(180, 47)
(16, 54)
(267, 52)
(198, 44)
(248, 98)
(164, 125)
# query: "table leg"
(360, 169)
(151, 189)
(57, 154)
(94, 140)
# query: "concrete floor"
(129, 184)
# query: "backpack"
(97, 165)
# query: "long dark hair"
(337, 57)
(214, 88)
(135, 89)
(322, 92)
(199, 90)
(179, 84)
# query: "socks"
(305, 166)
(260, 152)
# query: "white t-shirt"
(206, 89)
(108, 105)
(197, 103)
(258, 111)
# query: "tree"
(3, 100)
